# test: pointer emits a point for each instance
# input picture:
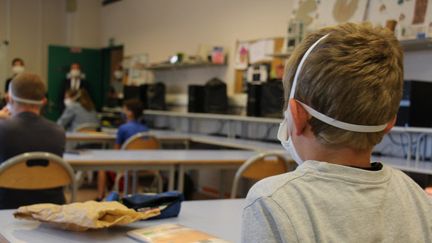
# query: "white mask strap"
(299, 67)
(322, 117)
(340, 124)
(23, 100)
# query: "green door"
(59, 60)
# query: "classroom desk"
(90, 137)
(164, 135)
(157, 160)
(221, 218)
(422, 167)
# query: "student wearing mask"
(132, 110)
(27, 131)
(117, 82)
(75, 80)
(343, 85)
(17, 68)
(79, 109)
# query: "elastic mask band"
(23, 100)
(322, 117)
(340, 124)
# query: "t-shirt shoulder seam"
(279, 206)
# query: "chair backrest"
(261, 166)
(141, 141)
(87, 127)
(36, 170)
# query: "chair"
(260, 166)
(87, 127)
(35, 171)
(140, 141)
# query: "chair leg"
(79, 178)
(126, 183)
(73, 192)
(89, 175)
(117, 181)
(134, 181)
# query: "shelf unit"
(169, 66)
(417, 44)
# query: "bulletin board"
(269, 46)
(412, 15)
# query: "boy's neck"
(341, 156)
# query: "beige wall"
(83, 25)
(33, 25)
(164, 27)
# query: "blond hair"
(28, 86)
(355, 75)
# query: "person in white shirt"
(75, 80)
(343, 85)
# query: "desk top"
(173, 135)
(423, 167)
(90, 136)
(128, 157)
(221, 117)
(221, 218)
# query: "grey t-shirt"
(323, 202)
(76, 115)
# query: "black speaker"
(143, 95)
(415, 106)
(131, 92)
(156, 96)
(253, 107)
(272, 99)
(195, 98)
(215, 97)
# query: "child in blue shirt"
(132, 110)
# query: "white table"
(90, 137)
(120, 160)
(180, 136)
(221, 218)
(422, 167)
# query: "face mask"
(68, 102)
(75, 73)
(285, 139)
(9, 107)
(118, 74)
(283, 133)
(17, 69)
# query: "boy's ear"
(299, 115)
(390, 125)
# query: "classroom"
(215, 121)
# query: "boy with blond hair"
(343, 86)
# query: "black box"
(253, 99)
(416, 104)
(196, 98)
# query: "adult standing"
(17, 68)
